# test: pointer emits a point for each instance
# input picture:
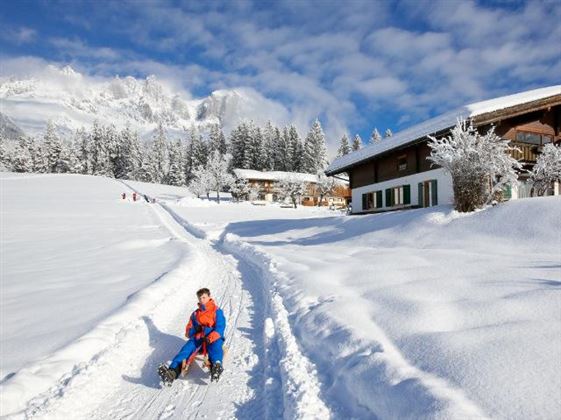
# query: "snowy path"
(121, 382)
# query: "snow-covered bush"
(480, 165)
(324, 186)
(217, 168)
(291, 187)
(240, 188)
(201, 184)
(547, 169)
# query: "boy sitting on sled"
(205, 332)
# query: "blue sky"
(355, 64)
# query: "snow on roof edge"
(439, 123)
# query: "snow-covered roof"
(440, 123)
(273, 175)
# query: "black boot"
(167, 375)
(215, 371)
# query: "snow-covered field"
(418, 314)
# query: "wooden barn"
(395, 172)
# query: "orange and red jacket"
(206, 322)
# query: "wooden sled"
(186, 364)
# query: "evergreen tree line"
(106, 151)
(345, 147)
(270, 148)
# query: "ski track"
(121, 381)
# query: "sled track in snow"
(297, 395)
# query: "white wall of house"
(444, 185)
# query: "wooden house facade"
(265, 184)
(396, 173)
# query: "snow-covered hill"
(73, 100)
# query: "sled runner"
(201, 353)
(168, 375)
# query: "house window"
(402, 163)
(372, 200)
(428, 193)
(398, 196)
(533, 138)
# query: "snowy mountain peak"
(73, 100)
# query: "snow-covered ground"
(417, 314)
(72, 253)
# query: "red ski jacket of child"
(206, 321)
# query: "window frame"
(402, 163)
(534, 133)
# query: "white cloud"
(20, 35)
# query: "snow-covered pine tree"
(388, 133)
(480, 165)
(74, 163)
(5, 156)
(296, 148)
(239, 138)
(254, 146)
(278, 160)
(357, 140)
(99, 151)
(291, 187)
(344, 147)
(324, 186)
(66, 160)
(217, 168)
(547, 169)
(375, 137)
(159, 157)
(285, 149)
(129, 158)
(268, 154)
(176, 173)
(357, 143)
(53, 149)
(83, 150)
(22, 160)
(144, 171)
(38, 156)
(115, 153)
(315, 151)
(188, 157)
(199, 147)
(217, 140)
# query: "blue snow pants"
(215, 351)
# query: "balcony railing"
(527, 153)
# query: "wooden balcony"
(527, 153)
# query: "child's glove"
(212, 337)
